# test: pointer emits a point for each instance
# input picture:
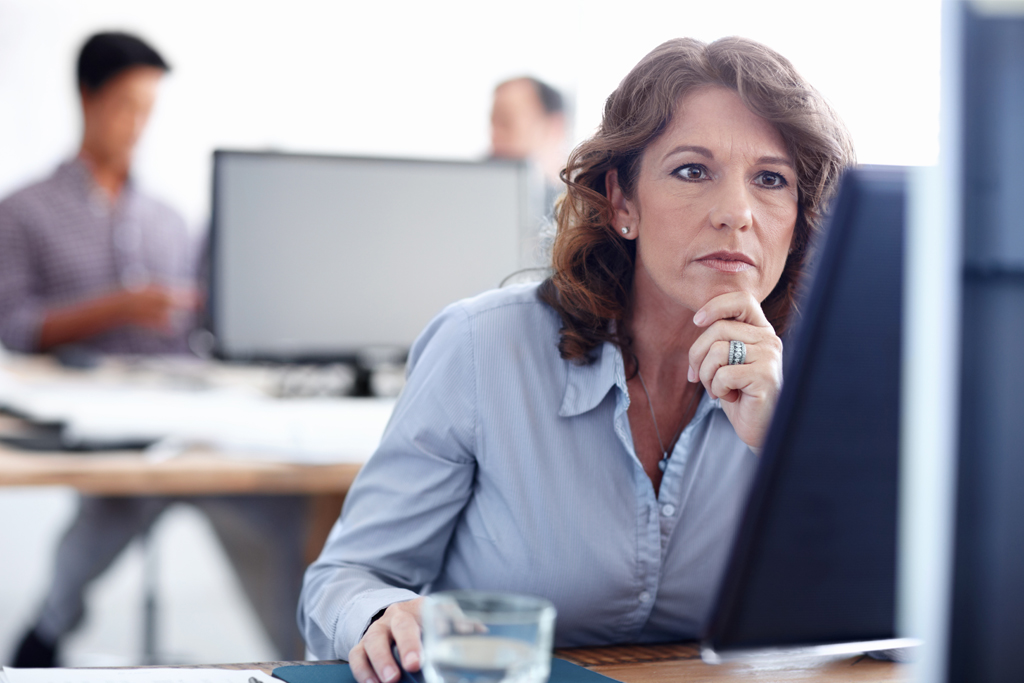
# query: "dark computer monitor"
(321, 258)
(814, 559)
(986, 612)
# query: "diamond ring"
(737, 353)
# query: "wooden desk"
(195, 472)
(672, 663)
(682, 664)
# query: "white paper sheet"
(143, 675)
(301, 430)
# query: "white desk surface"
(196, 468)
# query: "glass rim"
(471, 599)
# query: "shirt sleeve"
(402, 509)
(21, 311)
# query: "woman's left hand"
(748, 391)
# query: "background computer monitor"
(814, 560)
(321, 258)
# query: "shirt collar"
(76, 171)
(587, 385)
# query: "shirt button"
(668, 509)
(644, 597)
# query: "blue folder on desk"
(561, 672)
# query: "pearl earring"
(625, 230)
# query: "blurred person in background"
(528, 122)
(87, 259)
(89, 262)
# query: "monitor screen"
(814, 560)
(324, 257)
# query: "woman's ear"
(626, 217)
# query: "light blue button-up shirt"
(507, 468)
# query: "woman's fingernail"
(700, 318)
(689, 374)
(390, 673)
(411, 660)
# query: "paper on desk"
(309, 431)
(143, 675)
(305, 430)
(314, 430)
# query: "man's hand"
(153, 307)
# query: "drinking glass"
(482, 637)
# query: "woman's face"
(714, 205)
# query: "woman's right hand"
(371, 659)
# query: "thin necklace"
(663, 463)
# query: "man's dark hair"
(105, 55)
(550, 98)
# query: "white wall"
(413, 78)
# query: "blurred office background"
(405, 79)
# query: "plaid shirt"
(62, 241)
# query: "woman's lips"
(727, 262)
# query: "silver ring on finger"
(737, 352)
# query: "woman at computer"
(590, 439)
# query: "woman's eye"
(692, 172)
(770, 179)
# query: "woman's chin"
(698, 294)
(696, 288)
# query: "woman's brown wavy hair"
(592, 265)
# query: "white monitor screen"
(317, 257)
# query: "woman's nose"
(732, 207)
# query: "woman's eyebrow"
(703, 151)
(780, 161)
(708, 154)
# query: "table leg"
(324, 510)
(150, 575)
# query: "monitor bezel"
(359, 357)
(824, 277)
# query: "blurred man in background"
(528, 122)
(85, 258)
(89, 262)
